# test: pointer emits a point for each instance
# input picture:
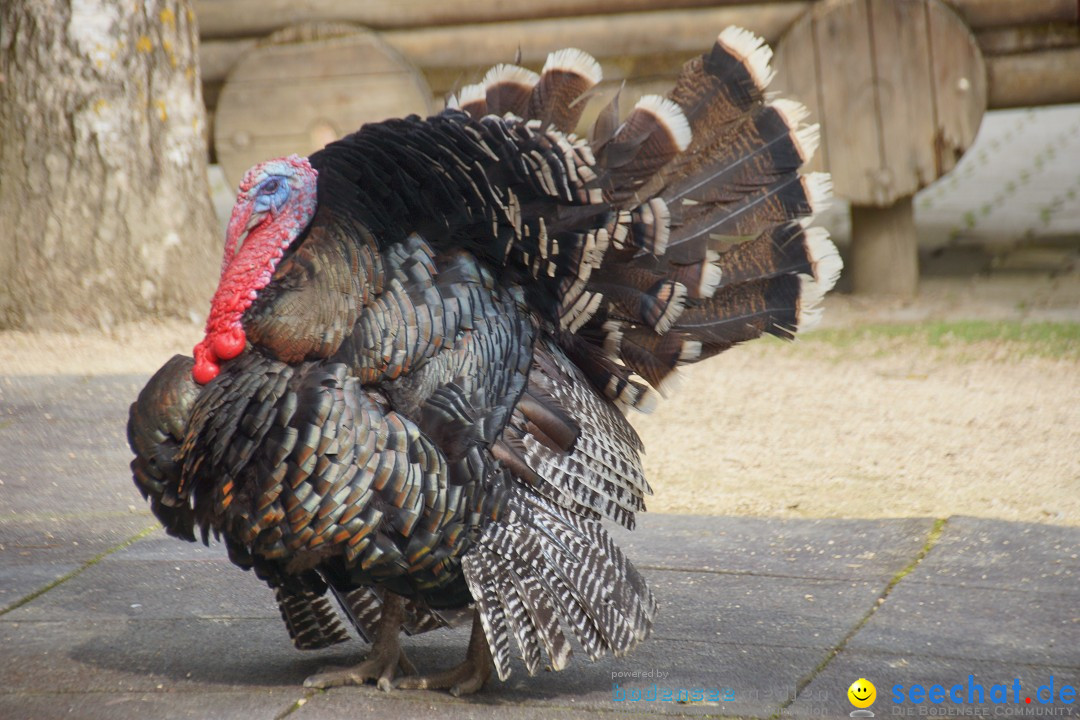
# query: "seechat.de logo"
(862, 694)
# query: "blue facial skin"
(272, 193)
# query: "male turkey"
(412, 385)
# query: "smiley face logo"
(862, 693)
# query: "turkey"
(411, 395)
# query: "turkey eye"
(270, 187)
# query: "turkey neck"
(317, 292)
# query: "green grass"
(1044, 339)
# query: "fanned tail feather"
(507, 89)
(363, 606)
(708, 245)
(555, 99)
(309, 618)
(537, 570)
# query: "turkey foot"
(385, 658)
(464, 679)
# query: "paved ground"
(102, 616)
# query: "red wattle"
(229, 344)
(206, 364)
(204, 372)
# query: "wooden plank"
(982, 14)
(243, 18)
(1008, 41)
(959, 77)
(1042, 78)
(796, 65)
(217, 57)
(847, 96)
(602, 36)
(296, 97)
(905, 99)
(617, 36)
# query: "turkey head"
(275, 203)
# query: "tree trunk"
(104, 198)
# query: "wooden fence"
(1025, 52)
(1032, 47)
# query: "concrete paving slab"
(920, 620)
(262, 705)
(148, 582)
(63, 444)
(88, 655)
(18, 582)
(845, 549)
(749, 680)
(989, 590)
(348, 704)
(164, 606)
(981, 553)
(751, 610)
(155, 590)
(36, 550)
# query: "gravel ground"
(884, 426)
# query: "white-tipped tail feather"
(669, 115)
(711, 275)
(691, 351)
(470, 94)
(676, 303)
(505, 73)
(819, 188)
(825, 259)
(794, 113)
(613, 338)
(807, 140)
(575, 61)
(754, 52)
(671, 384)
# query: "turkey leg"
(464, 679)
(385, 658)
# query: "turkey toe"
(464, 679)
(384, 660)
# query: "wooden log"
(295, 94)
(244, 18)
(239, 18)
(603, 36)
(849, 103)
(958, 75)
(885, 255)
(1009, 41)
(637, 34)
(906, 95)
(218, 57)
(899, 89)
(1049, 77)
(982, 14)
(798, 79)
(1018, 80)
(1023, 80)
